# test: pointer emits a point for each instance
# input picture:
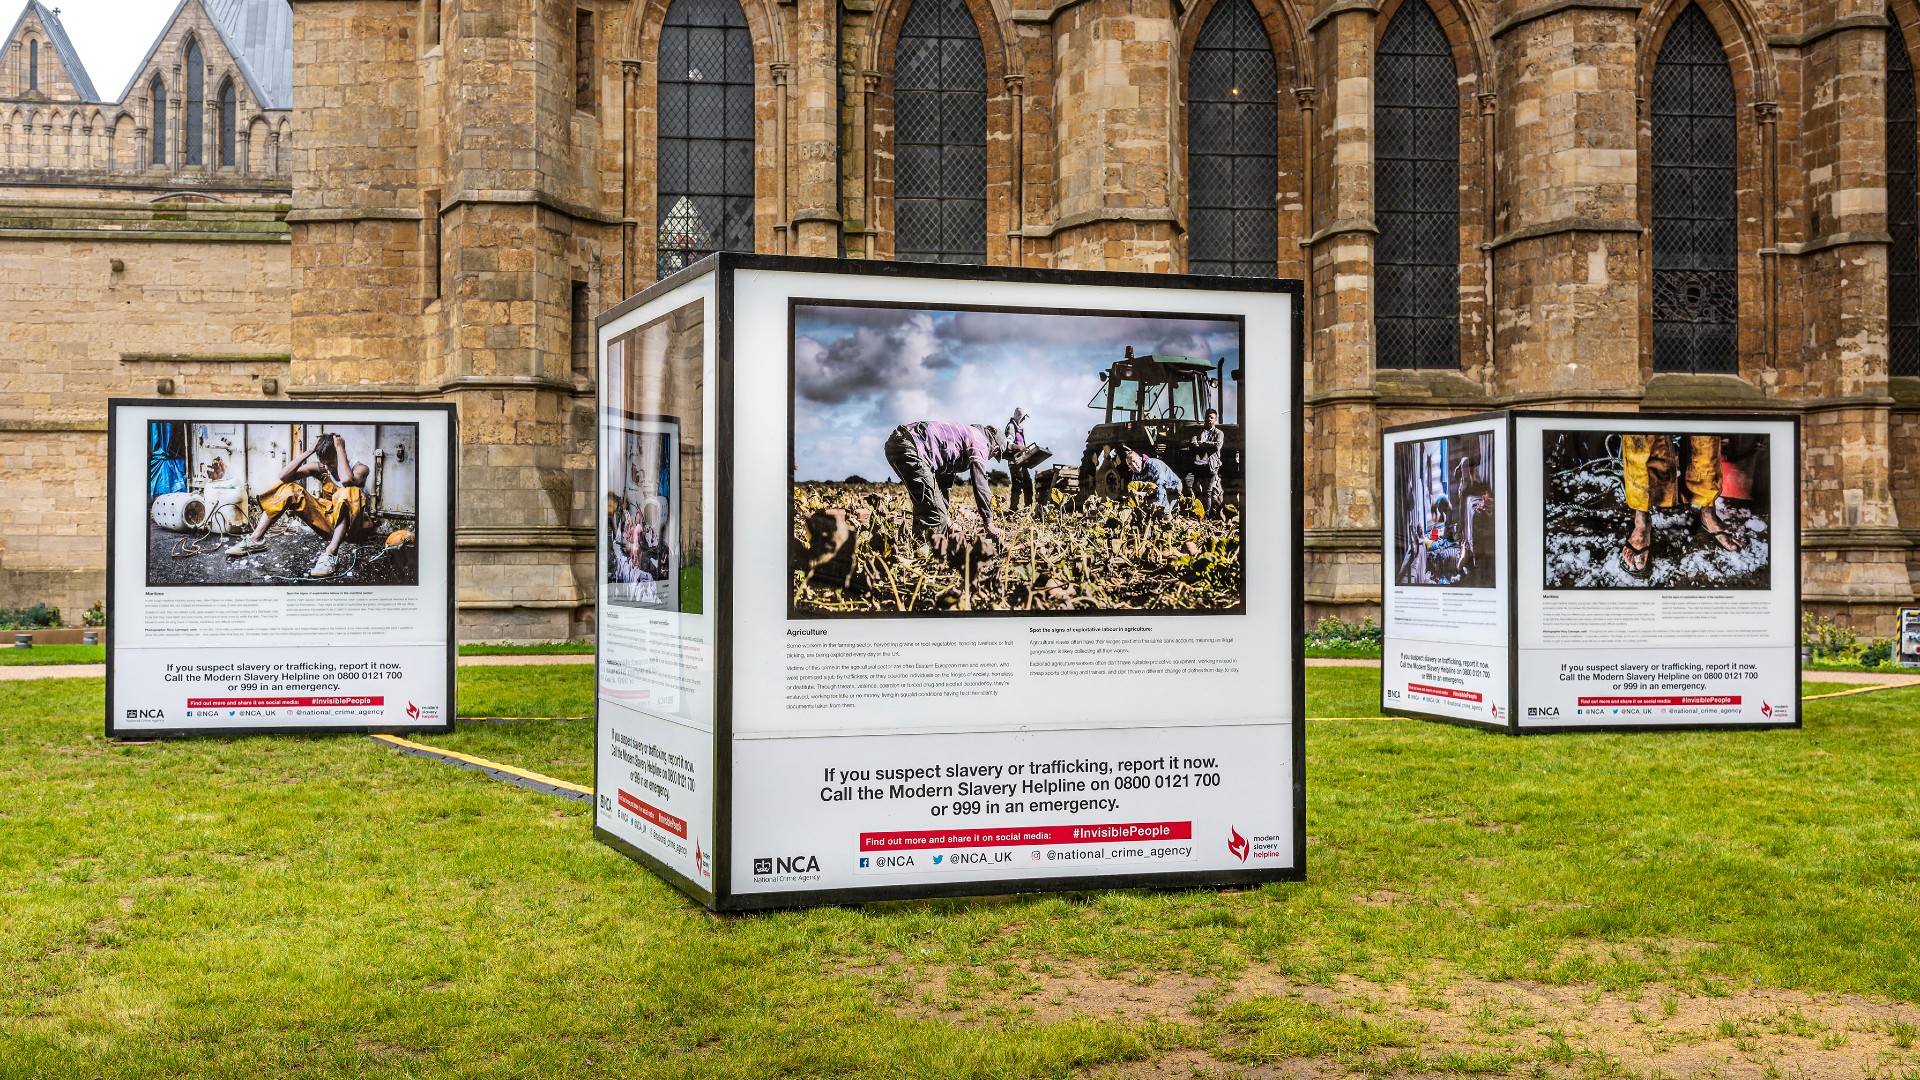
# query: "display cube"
(1562, 571)
(936, 581)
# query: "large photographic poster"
(1445, 608)
(1657, 570)
(1015, 573)
(655, 771)
(279, 567)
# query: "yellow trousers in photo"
(334, 505)
(1652, 474)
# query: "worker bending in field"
(928, 455)
(339, 510)
(1142, 469)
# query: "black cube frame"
(1509, 574)
(722, 897)
(114, 405)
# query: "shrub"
(1837, 644)
(1331, 633)
(37, 617)
(95, 615)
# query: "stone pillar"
(1855, 561)
(493, 344)
(1567, 235)
(1343, 435)
(816, 129)
(1114, 149)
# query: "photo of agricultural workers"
(337, 512)
(1206, 447)
(1086, 540)
(927, 456)
(1166, 485)
(1444, 500)
(1657, 510)
(1014, 438)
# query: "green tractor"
(1153, 404)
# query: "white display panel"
(910, 688)
(1657, 571)
(279, 567)
(654, 776)
(1445, 617)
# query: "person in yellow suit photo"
(339, 511)
(1652, 476)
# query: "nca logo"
(146, 714)
(788, 864)
(1543, 710)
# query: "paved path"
(1862, 678)
(14, 672)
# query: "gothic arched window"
(1903, 213)
(157, 97)
(1695, 279)
(939, 136)
(1416, 189)
(33, 65)
(706, 133)
(228, 118)
(1233, 147)
(196, 106)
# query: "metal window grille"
(228, 112)
(196, 105)
(1903, 213)
(705, 145)
(157, 94)
(939, 136)
(1233, 147)
(1695, 264)
(1416, 188)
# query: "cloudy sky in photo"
(111, 36)
(859, 372)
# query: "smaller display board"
(279, 567)
(1589, 571)
(1906, 639)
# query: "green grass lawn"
(54, 654)
(328, 907)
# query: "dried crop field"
(853, 552)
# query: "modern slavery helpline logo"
(1237, 845)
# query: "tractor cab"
(1154, 391)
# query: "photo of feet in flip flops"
(1657, 510)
